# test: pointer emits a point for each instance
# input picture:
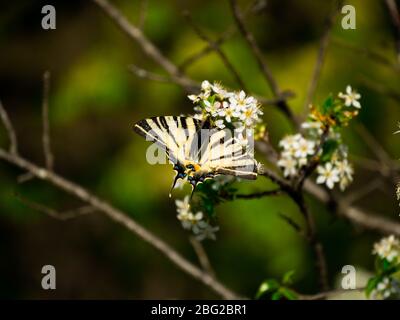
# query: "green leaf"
(288, 293)
(277, 296)
(328, 104)
(371, 285)
(328, 148)
(288, 277)
(267, 286)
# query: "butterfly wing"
(172, 134)
(225, 154)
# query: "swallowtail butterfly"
(197, 151)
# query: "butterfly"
(197, 150)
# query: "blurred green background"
(95, 100)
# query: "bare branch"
(291, 223)
(48, 155)
(373, 144)
(216, 48)
(145, 44)
(207, 49)
(312, 238)
(327, 294)
(329, 23)
(10, 129)
(63, 216)
(395, 16)
(202, 256)
(148, 75)
(121, 218)
(257, 195)
(362, 192)
(248, 36)
(224, 36)
(354, 214)
(367, 52)
(143, 13)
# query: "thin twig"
(145, 44)
(213, 44)
(329, 23)
(367, 52)
(248, 36)
(10, 129)
(63, 216)
(370, 221)
(381, 89)
(148, 75)
(327, 294)
(362, 192)
(207, 49)
(202, 256)
(224, 36)
(257, 195)
(312, 237)
(395, 16)
(48, 154)
(122, 218)
(373, 144)
(291, 223)
(266, 72)
(143, 13)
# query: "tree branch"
(248, 36)
(146, 45)
(121, 218)
(395, 16)
(9, 129)
(354, 214)
(329, 23)
(216, 48)
(63, 216)
(48, 155)
(312, 238)
(202, 256)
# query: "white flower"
(183, 205)
(345, 173)
(206, 86)
(203, 96)
(313, 125)
(304, 148)
(290, 142)
(207, 233)
(193, 97)
(220, 90)
(350, 98)
(228, 113)
(191, 221)
(289, 166)
(242, 102)
(250, 115)
(220, 123)
(384, 289)
(328, 174)
(388, 248)
(214, 108)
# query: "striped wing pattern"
(216, 151)
(173, 134)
